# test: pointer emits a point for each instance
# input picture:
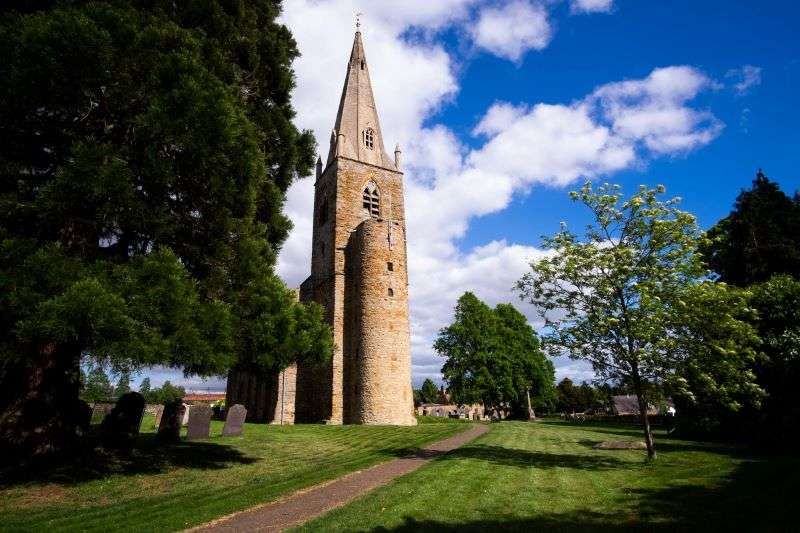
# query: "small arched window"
(390, 292)
(369, 138)
(371, 200)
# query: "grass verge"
(167, 488)
(537, 476)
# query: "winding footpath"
(307, 504)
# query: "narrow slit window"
(391, 291)
(371, 200)
(390, 266)
(369, 138)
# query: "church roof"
(357, 131)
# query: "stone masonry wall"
(379, 381)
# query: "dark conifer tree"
(147, 147)
(760, 237)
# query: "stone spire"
(358, 131)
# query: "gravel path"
(312, 502)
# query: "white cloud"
(654, 110)
(744, 78)
(511, 30)
(591, 6)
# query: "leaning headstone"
(170, 427)
(159, 411)
(120, 427)
(199, 421)
(234, 421)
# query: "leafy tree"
(167, 393)
(147, 149)
(760, 237)
(145, 390)
(493, 356)
(429, 392)
(98, 386)
(615, 298)
(777, 303)
(123, 383)
(714, 382)
(567, 396)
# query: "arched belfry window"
(372, 199)
(369, 138)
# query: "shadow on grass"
(759, 496)
(503, 456)
(500, 455)
(149, 457)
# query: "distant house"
(203, 397)
(628, 404)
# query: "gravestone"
(234, 421)
(199, 421)
(170, 427)
(159, 412)
(120, 426)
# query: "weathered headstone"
(158, 411)
(234, 421)
(186, 409)
(170, 427)
(121, 426)
(199, 421)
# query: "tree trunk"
(42, 413)
(640, 397)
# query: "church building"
(359, 276)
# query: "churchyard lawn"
(173, 487)
(547, 475)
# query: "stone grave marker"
(199, 421)
(170, 427)
(234, 421)
(120, 427)
(158, 413)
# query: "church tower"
(358, 270)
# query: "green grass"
(169, 488)
(530, 477)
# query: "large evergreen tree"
(429, 393)
(147, 146)
(759, 238)
(493, 357)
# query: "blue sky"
(503, 107)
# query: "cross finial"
(358, 21)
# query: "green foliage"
(760, 237)
(429, 393)
(493, 356)
(147, 149)
(145, 389)
(629, 298)
(713, 378)
(98, 387)
(165, 394)
(777, 303)
(123, 385)
(572, 399)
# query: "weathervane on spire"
(358, 21)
